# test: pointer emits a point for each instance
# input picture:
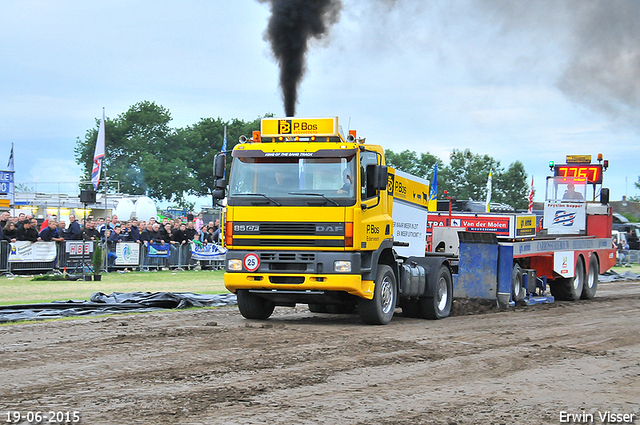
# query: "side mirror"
(219, 164)
(377, 177)
(219, 194)
(382, 177)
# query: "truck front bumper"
(349, 283)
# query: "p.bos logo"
(284, 126)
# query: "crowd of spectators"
(175, 232)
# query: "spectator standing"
(4, 219)
(623, 252)
(166, 233)
(10, 232)
(25, 219)
(126, 228)
(27, 233)
(155, 235)
(179, 235)
(74, 233)
(202, 235)
(116, 235)
(101, 226)
(179, 239)
(191, 232)
(62, 228)
(199, 223)
(50, 233)
(113, 222)
(145, 235)
(209, 236)
(134, 231)
(90, 232)
(45, 223)
(21, 219)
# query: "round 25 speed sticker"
(251, 262)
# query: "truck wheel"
(591, 283)
(379, 310)
(253, 307)
(437, 305)
(517, 291)
(569, 288)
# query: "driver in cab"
(571, 194)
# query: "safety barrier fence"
(76, 256)
(72, 256)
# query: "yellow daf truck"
(314, 216)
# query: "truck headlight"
(234, 265)
(342, 266)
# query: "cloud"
(599, 39)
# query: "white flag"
(98, 156)
(489, 183)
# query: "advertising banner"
(409, 225)
(25, 251)
(75, 248)
(127, 254)
(563, 263)
(207, 252)
(565, 218)
(156, 250)
(500, 225)
(7, 185)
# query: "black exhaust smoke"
(291, 26)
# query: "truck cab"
(308, 219)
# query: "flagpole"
(105, 253)
(489, 187)
(12, 185)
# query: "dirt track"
(525, 366)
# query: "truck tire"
(254, 307)
(569, 288)
(437, 305)
(591, 282)
(517, 291)
(379, 310)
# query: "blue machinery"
(485, 269)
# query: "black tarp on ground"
(116, 302)
(611, 276)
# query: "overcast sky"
(528, 81)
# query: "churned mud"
(524, 365)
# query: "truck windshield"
(297, 181)
(565, 189)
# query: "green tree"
(409, 162)
(149, 157)
(512, 188)
(466, 175)
(141, 152)
(205, 139)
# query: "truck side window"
(366, 158)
